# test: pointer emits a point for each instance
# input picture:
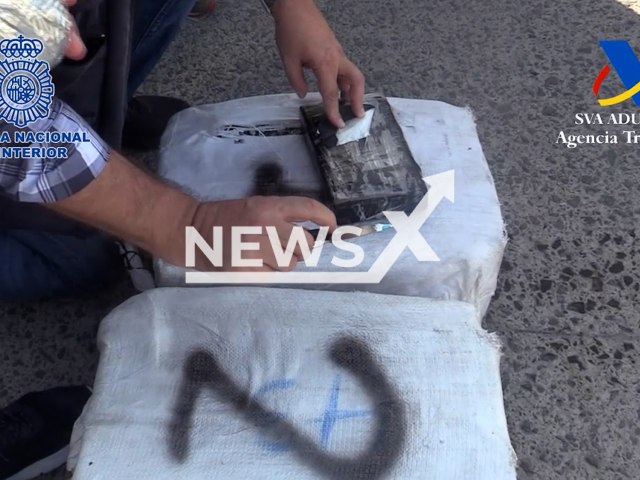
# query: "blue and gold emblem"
(26, 89)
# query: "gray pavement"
(569, 285)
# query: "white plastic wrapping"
(355, 129)
(204, 150)
(237, 383)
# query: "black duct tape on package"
(368, 176)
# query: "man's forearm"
(133, 205)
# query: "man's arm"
(98, 187)
(131, 204)
(45, 180)
(113, 195)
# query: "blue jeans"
(38, 264)
(156, 24)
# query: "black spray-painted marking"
(202, 370)
(269, 180)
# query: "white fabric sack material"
(237, 383)
(213, 151)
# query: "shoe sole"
(43, 466)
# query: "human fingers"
(75, 49)
(304, 209)
(345, 87)
(295, 75)
(288, 233)
(351, 75)
(327, 75)
(281, 261)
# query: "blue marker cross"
(328, 419)
(332, 414)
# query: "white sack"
(438, 390)
(201, 153)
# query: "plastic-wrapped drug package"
(366, 177)
(385, 387)
(218, 151)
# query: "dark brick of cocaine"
(372, 175)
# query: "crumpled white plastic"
(355, 129)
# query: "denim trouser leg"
(38, 265)
(156, 24)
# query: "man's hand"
(305, 40)
(131, 204)
(76, 49)
(278, 212)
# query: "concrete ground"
(566, 305)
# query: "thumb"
(75, 49)
(295, 75)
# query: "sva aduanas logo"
(626, 64)
(26, 89)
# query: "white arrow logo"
(407, 235)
